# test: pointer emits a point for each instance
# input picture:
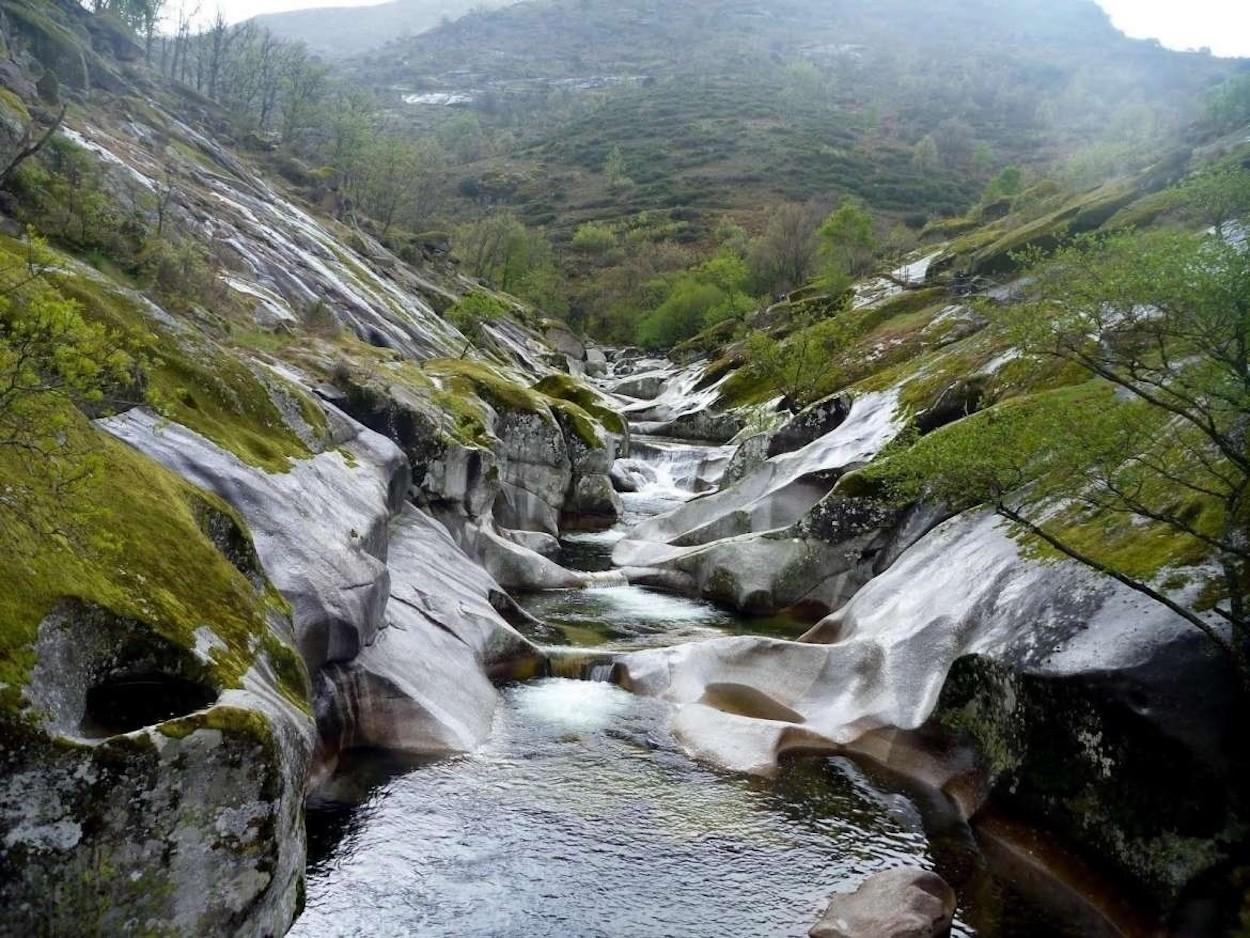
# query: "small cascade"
(602, 672)
(681, 468)
(579, 666)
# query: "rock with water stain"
(424, 686)
(763, 542)
(900, 903)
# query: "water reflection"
(582, 817)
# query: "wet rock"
(900, 903)
(561, 338)
(631, 475)
(811, 424)
(741, 544)
(423, 687)
(645, 387)
(320, 529)
(704, 426)
(535, 471)
(596, 363)
(1072, 688)
(750, 454)
(538, 542)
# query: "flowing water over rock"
(581, 816)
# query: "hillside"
(727, 104)
(670, 125)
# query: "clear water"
(581, 816)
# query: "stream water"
(582, 817)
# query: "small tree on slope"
(1162, 323)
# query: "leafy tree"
(800, 364)
(925, 154)
(472, 313)
(848, 244)
(502, 251)
(1163, 319)
(1228, 106)
(1219, 196)
(616, 169)
(52, 359)
(396, 179)
(783, 257)
(495, 248)
(302, 85)
(682, 314)
(594, 239)
(1006, 184)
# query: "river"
(582, 817)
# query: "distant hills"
(344, 31)
(736, 104)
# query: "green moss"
(946, 228)
(127, 539)
(1087, 212)
(15, 104)
(579, 421)
(232, 721)
(487, 383)
(567, 388)
(203, 387)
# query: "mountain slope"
(731, 104)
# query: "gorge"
(358, 585)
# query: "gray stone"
(320, 528)
(900, 903)
(423, 687)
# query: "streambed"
(581, 816)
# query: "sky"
(1223, 25)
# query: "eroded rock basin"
(582, 817)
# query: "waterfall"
(602, 672)
(681, 468)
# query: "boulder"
(596, 363)
(899, 903)
(774, 497)
(632, 475)
(424, 686)
(561, 338)
(643, 387)
(749, 455)
(1071, 687)
(320, 528)
(535, 471)
(810, 424)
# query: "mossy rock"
(204, 387)
(138, 541)
(57, 48)
(563, 387)
(1078, 755)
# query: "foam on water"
(577, 705)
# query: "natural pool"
(581, 816)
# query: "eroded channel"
(581, 816)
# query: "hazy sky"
(1224, 25)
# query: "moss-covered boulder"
(155, 727)
(1095, 758)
